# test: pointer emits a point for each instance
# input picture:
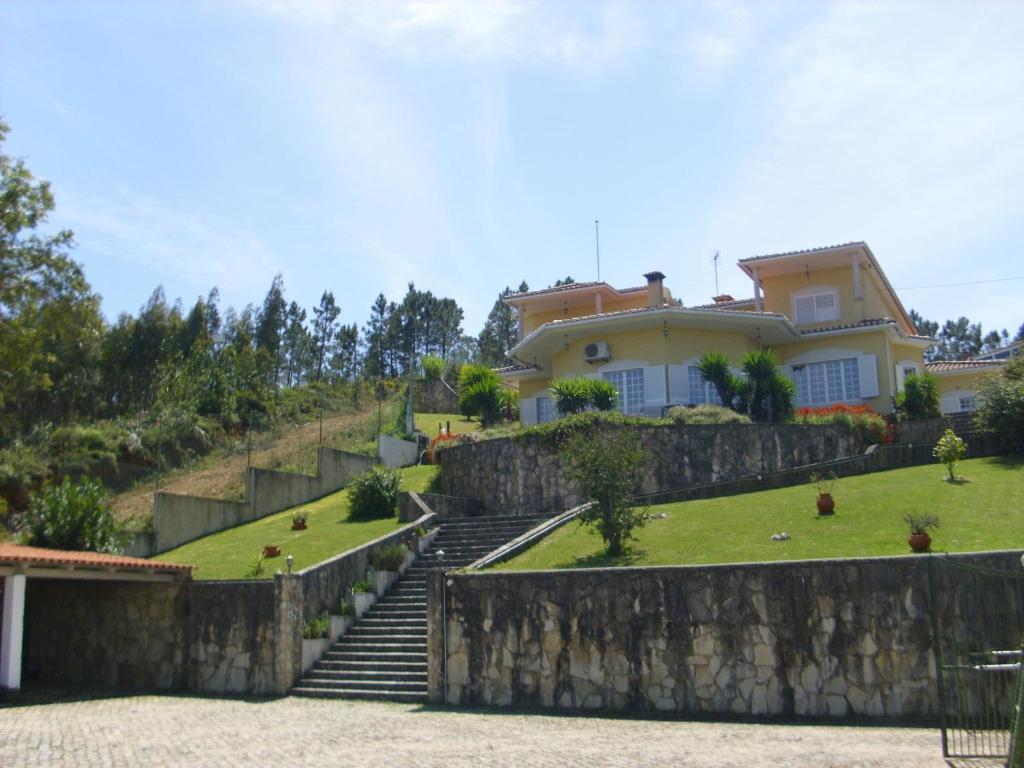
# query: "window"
(832, 381)
(545, 410)
(630, 384)
(910, 370)
(816, 307)
(969, 403)
(701, 391)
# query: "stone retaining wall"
(524, 476)
(212, 637)
(815, 639)
(178, 519)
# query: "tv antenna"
(714, 258)
(597, 245)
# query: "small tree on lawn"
(606, 466)
(949, 450)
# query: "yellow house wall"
(968, 380)
(534, 320)
(778, 293)
(871, 343)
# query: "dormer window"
(818, 307)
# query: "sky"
(468, 145)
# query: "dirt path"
(224, 477)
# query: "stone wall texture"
(434, 397)
(816, 639)
(524, 476)
(212, 637)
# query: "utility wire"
(954, 285)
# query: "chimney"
(723, 298)
(655, 289)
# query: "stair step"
(394, 667)
(404, 656)
(410, 697)
(345, 675)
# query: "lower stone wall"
(212, 637)
(817, 639)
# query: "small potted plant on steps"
(920, 540)
(824, 484)
(298, 521)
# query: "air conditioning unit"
(597, 352)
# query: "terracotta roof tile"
(846, 326)
(515, 368)
(15, 553)
(802, 250)
(573, 286)
(722, 304)
(945, 366)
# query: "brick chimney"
(722, 298)
(655, 289)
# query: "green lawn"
(228, 554)
(427, 423)
(985, 511)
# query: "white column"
(858, 294)
(758, 301)
(12, 631)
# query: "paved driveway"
(182, 731)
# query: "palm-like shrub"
(480, 393)
(578, 394)
(433, 367)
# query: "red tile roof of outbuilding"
(11, 554)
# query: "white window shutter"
(528, 411)
(654, 385)
(950, 404)
(804, 309)
(825, 307)
(900, 375)
(868, 370)
(677, 384)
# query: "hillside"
(292, 448)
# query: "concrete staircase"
(384, 656)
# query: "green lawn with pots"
(229, 554)
(983, 511)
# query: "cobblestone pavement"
(184, 731)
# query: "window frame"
(814, 294)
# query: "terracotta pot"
(299, 525)
(919, 542)
(826, 504)
(271, 550)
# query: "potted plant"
(363, 596)
(824, 484)
(919, 539)
(271, 550)
(343, 620)
(298, 521)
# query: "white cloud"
(719, 44)
(136, 229)
(895, 124)
(478, 30)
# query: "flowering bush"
(872, 425)
(949, 450)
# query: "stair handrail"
(528, 539)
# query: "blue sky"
(467, 145)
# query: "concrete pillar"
(12, 631)
(758, 299)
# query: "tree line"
(62, 362)
(961, 339)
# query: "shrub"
(433, 367)
(919, 398)
(714, 367)
(871, 425)
(374, 493)
(707, 414)
(1001, 407)
(388, 558)
(766, 394)
(480, 393)
(578, 394)
(571, 395)
(949, 450)
(316, 628)
(74, 515)
(362, 586)
(508, 404)
(256, 566)
(606, 466)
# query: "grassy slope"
(228, 554)
(986, 511)
(222, 475)
(427, 423)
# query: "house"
(960, 380)
(830, 314)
